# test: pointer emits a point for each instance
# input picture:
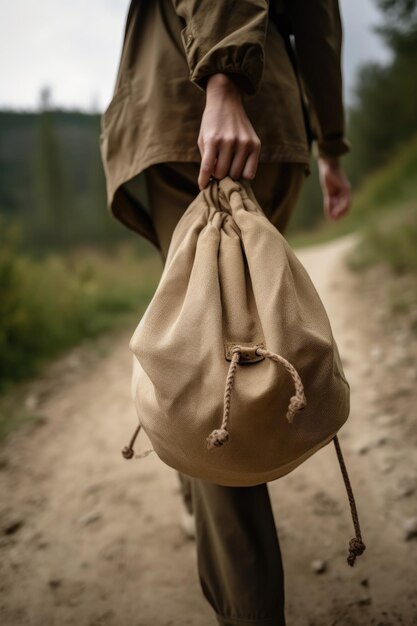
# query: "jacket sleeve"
(226, 36)
(317, 29)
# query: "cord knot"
(128, 452)
(217, 438)
(356, 548)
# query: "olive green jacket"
(284, 53)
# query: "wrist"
(224, 85)
(331, 161)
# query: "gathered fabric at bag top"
(237, 378)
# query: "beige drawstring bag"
(237, 377)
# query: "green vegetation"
(51, 304)
(385, 213)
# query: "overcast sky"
(73, 48)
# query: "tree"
(50, 185)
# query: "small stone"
(362, 447)
(32, 402)
(364, 582)
(12, 527)
(318, 566)
(367, 601)
(90, 518)
(410, 529)
(54, 583)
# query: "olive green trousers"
(238, 553)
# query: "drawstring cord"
(297, 402)
(128, 451)
(356, 545)
(219, 436)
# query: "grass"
(391, 239)
(49, 305)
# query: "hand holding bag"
(237, 378)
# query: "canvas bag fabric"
(237, 378)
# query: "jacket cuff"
(244, 60)
(333, 146)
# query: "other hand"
(336, 188)
(228, 143)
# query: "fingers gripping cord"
(297, 402)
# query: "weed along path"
(88, 539)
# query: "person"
(209, 89)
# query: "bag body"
(237, 378)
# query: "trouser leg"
(238, 553)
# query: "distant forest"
(52, 180)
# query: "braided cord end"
(356, 548)
(217, 438)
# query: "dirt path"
(88, 539)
